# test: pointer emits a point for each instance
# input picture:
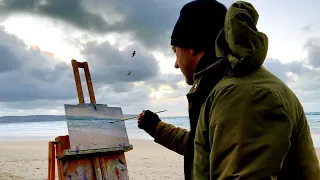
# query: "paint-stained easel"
(72, 163)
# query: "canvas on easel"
(95, 126)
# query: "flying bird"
(129, 73)
(133, 53)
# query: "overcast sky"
(38, 39)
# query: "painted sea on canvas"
(95, 127)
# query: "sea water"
(50, 129)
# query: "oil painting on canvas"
(95, 127)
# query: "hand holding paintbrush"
(149, 121)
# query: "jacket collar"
(206, 60)
(218, 68)
(221, 65)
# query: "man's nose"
(176, 65)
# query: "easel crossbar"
(68, 153)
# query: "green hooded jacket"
(250, 125)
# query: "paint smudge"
(81, 173)
(116, 170)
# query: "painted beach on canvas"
(95, 127)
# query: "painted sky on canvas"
(98, 111)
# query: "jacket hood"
(239, 40)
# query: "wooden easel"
(66, 160)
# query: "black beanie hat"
(198, 25)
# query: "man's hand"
(148, 121)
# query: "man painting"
(245, 123)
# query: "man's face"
(186, 61)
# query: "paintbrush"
(135, 117)
(138, 116)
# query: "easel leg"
(62, 143)
(51, 161)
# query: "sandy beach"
(27, 160)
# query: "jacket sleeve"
(243, 133)
(171, 137)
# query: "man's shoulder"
(261, 81)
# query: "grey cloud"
(112, 66)
(149, 22)
(277, 68)
(137, 95)
(37, 104)
(71, 11)
(11, 62)
(310, 42)
(166, 79)
(171, 81)
(30, 74)
(314, 55)
(306, 28)
(121, 87)
(307, 87)
(280, 69)
(313, 47)
(36, 80)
